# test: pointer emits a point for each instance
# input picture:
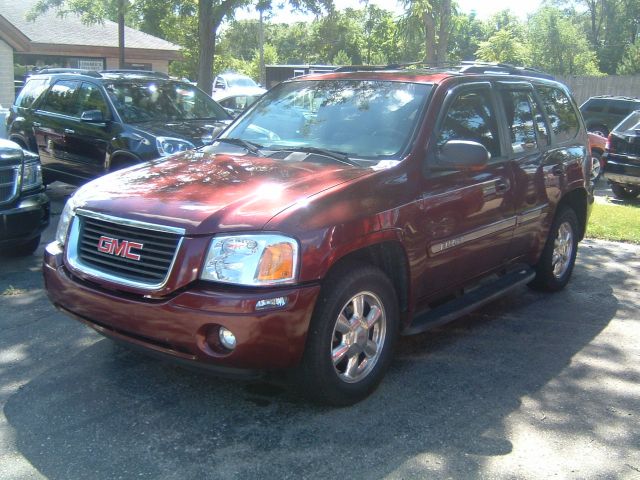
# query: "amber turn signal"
(276, 262)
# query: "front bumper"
(177, 326)
(24, 220)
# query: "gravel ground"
(532, 386)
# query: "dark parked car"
(24, 208)
(84, 125)
(603, 112)
(623, 158)
(339, 212)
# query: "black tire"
(624, 193)
(25, 249)
(318, 377)
(549, 277)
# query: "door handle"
(69, 131)
(501, 186)
(35, 124)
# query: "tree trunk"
(121, 34)
(443, 35)
(207, 39)
(429, 37)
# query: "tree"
(435, 17)
(630, 63)
(504, 46)
(559, 46)
(90, 12)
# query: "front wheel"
(351, 337)
(555, 266)
(624, 193)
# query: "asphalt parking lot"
(532, 386)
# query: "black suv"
(84, 124)
(24, 208)
(603, 112)
(622, 155)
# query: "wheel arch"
(386, 253)
(118, 157)
(576, 200)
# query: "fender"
(108, 159)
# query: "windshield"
(156, 100)
(241, 82)
(364, 119)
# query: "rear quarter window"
(562, 116)
(32, 90)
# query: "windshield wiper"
(252, 148)
(338, 156)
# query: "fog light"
(227, 339)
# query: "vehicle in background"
(84, 124)
(623, 158)
(601, 113)
(235, 102)
(231, 81)
(597, 144)
(339, 212)
(24, 207)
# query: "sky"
(483, 8)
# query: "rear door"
(56, 114)
(468, 216)
(528, 141)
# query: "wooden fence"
(585, 87)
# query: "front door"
(468, 214)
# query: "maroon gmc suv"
(340, 211)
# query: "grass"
(619, 223)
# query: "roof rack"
(502, 68)
(76, 71)
(146, 73)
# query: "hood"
(206, 193)
(198, 132)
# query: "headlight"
(66, 216)
(31, 175)
(169, 146)
(252, 260)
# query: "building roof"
(50, 28)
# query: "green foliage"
(630, 63)
(341, 58)
(504, 46)
(558, 46)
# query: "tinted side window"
(562, 116)
(621, 108)
(61, 98)
(519, 120)
(90, 98)
(471, 117)
(31, 92)
(594, 106)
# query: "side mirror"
(92, 116)
(463, 155)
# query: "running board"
(468, 302)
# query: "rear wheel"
(596, 166)
(599, 130)
(555, 266)
(351, 337)
(623, 192)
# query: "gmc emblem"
(120, 248)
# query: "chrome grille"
(156, 255)
(8, 183)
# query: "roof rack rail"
(146, 73)
(362, 68)
(77, 71)
(503, 68)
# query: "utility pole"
(263, 79)
(121, 9)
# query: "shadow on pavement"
(444, 409)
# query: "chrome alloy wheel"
(562, 250)
(358, 337)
